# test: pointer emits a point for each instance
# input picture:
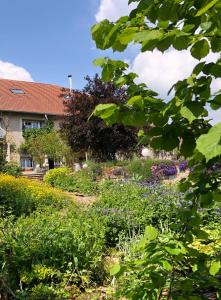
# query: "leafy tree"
(88, 133)
(45, 142)
(180, 123)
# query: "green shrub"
(141, 168)
(53, 249)
(128, 207)
(52, 175)
(11, 168)
(81, 182)
(23, 196)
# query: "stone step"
(34, 176)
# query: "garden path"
(82, 199)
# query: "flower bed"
(23, 196)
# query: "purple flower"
(183, 166)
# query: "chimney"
(70, 82)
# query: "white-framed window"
(2, 130)
(26, 163)
(32, 124)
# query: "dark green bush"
(53, 248)
(11, 168)
(141, 168)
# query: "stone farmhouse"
(25, 105)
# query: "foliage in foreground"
(158, 266)
(180, 123)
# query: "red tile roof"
(38, 98)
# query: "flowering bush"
(151, 169)
(170, 170)
(163, 170)
(130, 206)
(183, 166)
(22, 196)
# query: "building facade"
(27, 105)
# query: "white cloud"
(216, 85)
(161, 70)
(215, 115)
(11, 71)
(113, 9)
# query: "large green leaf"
(115, 269)
(167, 266)
(165, 142)
(136, 101)
(151, 233)
(181, 42)
(215, 44)
(188, 145)
(99, 61)
(133, 118)
(210, 144)
(216, 103)
(100, 32)
(214, 268)
(191, 111)
(198, 68)
(205, 8)
(107, 72)
(200, 49)
(147, 35)
(168, 10)
(127, 35)
(105, 110)
(216, 70)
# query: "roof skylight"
(67, 97)
(17, 91)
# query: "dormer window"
(17, 91)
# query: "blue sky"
(45, 40)
(49, 38)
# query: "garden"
(122, 244)
(147, 234)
